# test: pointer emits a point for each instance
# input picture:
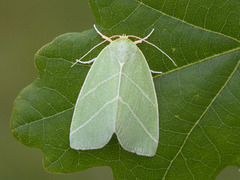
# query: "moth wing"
(93, 120)
(137, 123)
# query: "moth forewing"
(137, 124)
(92, 123)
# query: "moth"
(118, 96)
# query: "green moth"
(118, 96)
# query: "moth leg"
(161, 51)
(155, 72)
(144, 40)
(87, 62)
(83, 62)
(103, 36)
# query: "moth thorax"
(124, 50)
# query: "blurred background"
(25, 26)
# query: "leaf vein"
(198, 62)
(197, 122)
(214, 146)
(126, 17)
(48, 88)
(185, 22)
(44, 118)
(58, 158)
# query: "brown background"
(25, 26)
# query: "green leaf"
(199, 101)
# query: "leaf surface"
(199, 100)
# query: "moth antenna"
(103, 36)
(79, 60)
(115, 36)
(141, 39)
